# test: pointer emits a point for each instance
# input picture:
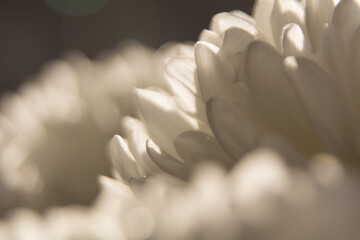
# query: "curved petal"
(318, 14)
(211, 37)
(137, 136)
(346, 18)
(223, 21)
(333, 58)
(294, 42)
(179, 73)
(236, 40)
(355, 67)
(273, 95)
(166, 162)
(216, 75)
(283, 13)
(162, 118)
(328, 110)
(122, 159)
(234, 136)
(262, 13)
(195, 146)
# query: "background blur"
(35, 31)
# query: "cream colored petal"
(116, 187)
(262, 13)
(236, 40)
(166, 162)
(163, 119)
(355, 68)
(181, 69)
(234, 136)
(215, 74)
(273, 95)
(196, 146)
(346, 18)
(333, 58)
(180, 73)
(294, 42)
(326, 107)
(318, 14)
(137, 136)
(355, 54)
(122, 158)
(223, 21)
(283, 13)
(211, 37)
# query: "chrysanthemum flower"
(263, 197)
(290, 71)
(54, 130)
(286, 79)
(259, 98)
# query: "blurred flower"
(54, 131)
(100, 221)
(263, 197)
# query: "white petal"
(181, 69)
(274, 98)
(211, 37)
(163, 119)
(236, 40)
(283, 13)
(318, 14)
(294, 42)
(347, 19)
(326, 107)
(180, 74)
(223, 21)
(233, 135)
(216, 75)
(333, 58)
(166, 162)
(122, 158)
(355, 65)
(137, 136)
(262, 12)
(114, 186)
(195, 146)
(356, 53)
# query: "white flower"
(290, 71)
(263, 197)
(259, 98)
(54, 130)
(286, 80)
(100, 221)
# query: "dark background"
(32, 33)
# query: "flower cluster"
(251, 133)
(54, 131)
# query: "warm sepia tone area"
(33, 33)
(139, 120)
